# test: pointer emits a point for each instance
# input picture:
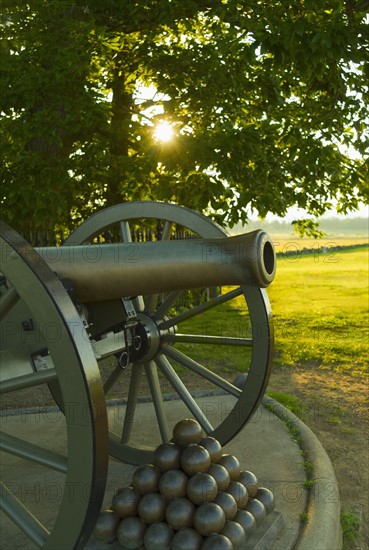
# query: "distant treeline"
(330, 226)
(329, 251)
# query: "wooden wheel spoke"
(201, 308)
(126, 236)
(125, 232)
(134, 387)
(22, 517)
(167, 231)
(32, 452)
(28, 380)
(183, 392)
(8, 301)
(202, 371)
(207, 339)
(157, 396)
(167, 304)
(112, 379)
(151, 301)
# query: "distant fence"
(57, 238)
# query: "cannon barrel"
(107, 271)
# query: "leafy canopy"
(268, 103)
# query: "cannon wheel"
(255, 300)
(82, 471)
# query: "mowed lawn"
(320, 305)
(320, 308)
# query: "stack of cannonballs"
(192, 497)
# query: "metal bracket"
(42, 360)
(129, 330)
(130, 311)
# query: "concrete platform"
(264, 446)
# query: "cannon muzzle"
(100, 272)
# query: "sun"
(164, 132)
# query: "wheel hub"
(147, 338)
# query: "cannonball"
(209, 518)
(195, 459)
(228, 504)
(125, 502)
(232, 465)
(187, 431)
(248, 479)
(202, 488)
(106, 526)
(187, 539)
(151, 508)
(179, 513)
(217, 542)
(158, 536)
(239, 493)
(221, 476)
(257, 509)
(213, 447)
(146, 479)
(235, 533)
(266, 497)
(130, 533)
(167, 456)
(173, 484)
(246, 520)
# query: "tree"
(267, 101)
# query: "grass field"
(320, 310)
(320, 306)
(226, 320)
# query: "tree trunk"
(122, 108)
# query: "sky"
(295, 213)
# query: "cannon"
(106, 307)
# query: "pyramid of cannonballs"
(192, 497)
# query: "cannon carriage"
(66, 311)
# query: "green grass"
(308, 483)
(226, 320)
(308, 467)
(320, 309)
(304, 518)
(289, 423)
(350, 523)
(289, 401)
